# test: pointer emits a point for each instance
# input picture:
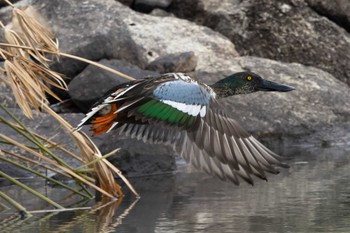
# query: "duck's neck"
(223, 90)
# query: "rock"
(161, 13)
(91, 84)
(288, 32)
(14, 172)
(137, 158)
(126, 2)
(147, 6)
(317, 111)
(7, 99)
(4, 4)
(6, 14)
(337, 11)
(178, 62)
(65, 106)
(160, 36)
(89, 29)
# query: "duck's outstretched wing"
(221, 147)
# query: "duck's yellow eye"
(249, 78)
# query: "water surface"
(312, 196)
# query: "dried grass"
(29, 81)
(27, 73)
(29, 25)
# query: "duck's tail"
(102, 118)
(104, 123)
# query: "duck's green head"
(246, 82)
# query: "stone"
(160, 13)
(135, 157)
(7, 99)
(287, 31)
(65, 106)
(91, 85)
(160, 36)
(126, 2)
(14, 172)
(147, 6)
(178, 62)
(337, 11)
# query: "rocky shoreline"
(303, 43)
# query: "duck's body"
(176, 109)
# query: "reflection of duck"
(176, 109)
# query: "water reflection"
(312, 196)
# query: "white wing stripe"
(191, 109)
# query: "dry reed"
(26, 71)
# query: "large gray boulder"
(160, 36)
(178, 62)
(89, 29)
(279, 30)
(147, 6)
(92, 83)
(337, 11)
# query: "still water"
(312, 196)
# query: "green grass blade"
(32, 191)
(45, 177)
(15, 204)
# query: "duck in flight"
(175, 109)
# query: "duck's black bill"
(272, 86)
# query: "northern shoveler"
(175, 109)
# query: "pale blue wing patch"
(188, 97)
